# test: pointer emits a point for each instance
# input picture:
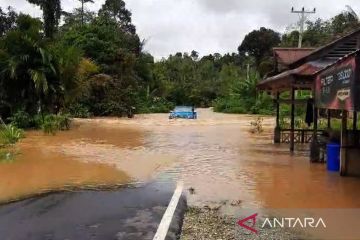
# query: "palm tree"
(51, 14)
(82, 9)
(28, 64)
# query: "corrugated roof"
(337, 62)
(327, 47)
(307, 69)
(287, 56)
(312, 62)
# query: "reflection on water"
(40, 166)
(216, 155)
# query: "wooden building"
(297, 69)
(337, 87)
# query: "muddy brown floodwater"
(215, 155)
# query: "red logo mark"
(252, 218)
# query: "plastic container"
(333, 157)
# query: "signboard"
(338, 87)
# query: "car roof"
(183, 108)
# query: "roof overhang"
(299, 78)
(287, 56)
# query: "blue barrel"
(333, 157)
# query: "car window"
(183, 109)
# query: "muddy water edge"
(217, 157)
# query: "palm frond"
(39, 79)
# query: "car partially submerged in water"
(184, 112)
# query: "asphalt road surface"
(129, 213)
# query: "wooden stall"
(297, 69)
(337, 87)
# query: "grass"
(7, 155)
(10, 134)
(53, 123)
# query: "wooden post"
(355, 119)
(343, 161)
(329, 118)
(314, 147)
(277, 130)
(277, 109)
(355, 132)
(316, 119)
(292, 132)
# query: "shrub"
(263, 105)
(155, 105)
(78, 110)
(7, 155)
(53, 123)
(10, 134)
(257, 125)
(21, 119)
(37, 121)
(229, 105)
(236, 110)
(64, 121)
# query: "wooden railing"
(300, 135)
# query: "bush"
(53, 123)
(156, 105)
(257, 125)
(236, 110)
(238, 104)
(78, 110)
(8, 155)
(10, 134)
(37, 121)
(21, 119)
(229, 105)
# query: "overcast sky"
(207, 26)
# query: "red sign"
(338, 86)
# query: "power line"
(303, 16)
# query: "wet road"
(127, 214)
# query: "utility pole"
(303, 16)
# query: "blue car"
(183, 112)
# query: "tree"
(317, 33)
(76, 18)
(290, 39)
(37, 74)
(194, 55)
(344, 22)
(28, 67)
(51, 14)
(82, 8)
(259, 43)
(7, 20)
(116, 9)
(118, 55)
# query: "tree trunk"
(82, 12)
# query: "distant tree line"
(93, 63)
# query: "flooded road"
(216, 156)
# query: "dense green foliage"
(51, 15)
(259, 44)
(94, 65)
(53, 123)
